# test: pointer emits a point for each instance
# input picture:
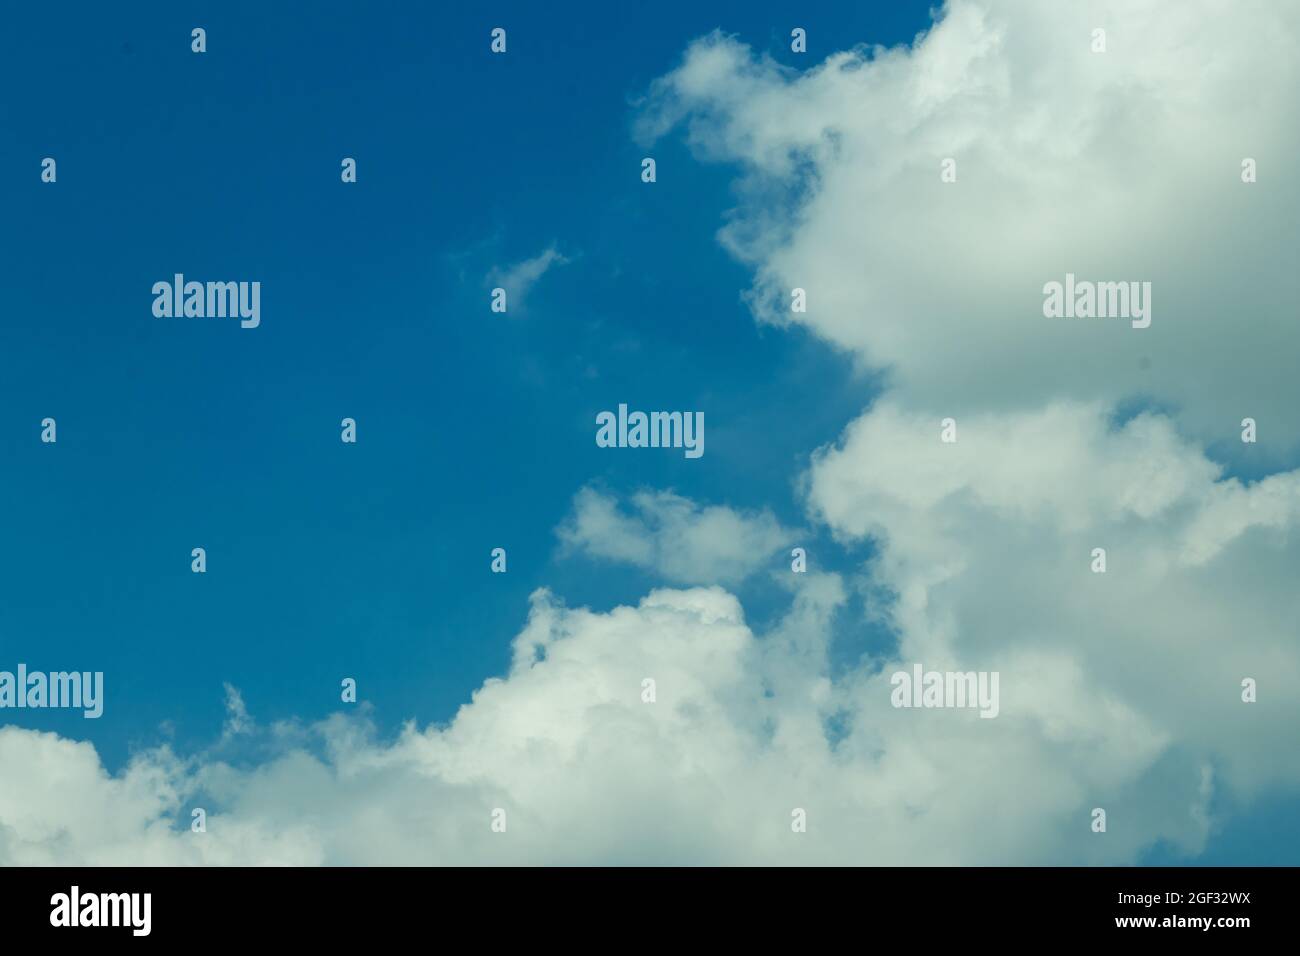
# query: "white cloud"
(584, 769)
(518, 279)
(987, 544)
(1123, 165)
(58, 806)
(675, 537)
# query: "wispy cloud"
(518, 279)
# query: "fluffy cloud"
(987, 549)
(587, 771)
(673, 536)
(1122, 165)
(1068, 161)
(59, 807)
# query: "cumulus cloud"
(682, 541)
(1122, 165)
(1068, 161)
(588, 771)
(987, 548)
(58, 807)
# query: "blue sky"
(475, 430)
(328, 560)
